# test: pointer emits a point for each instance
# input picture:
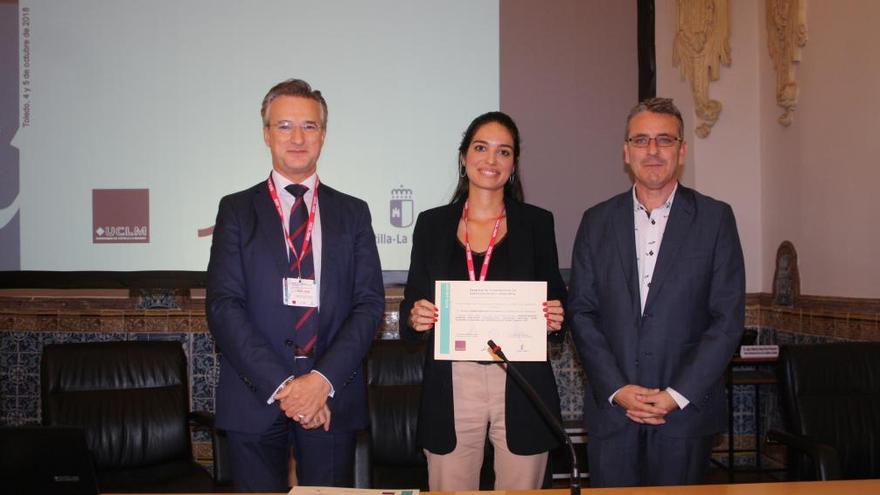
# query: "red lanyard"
(467, 246)
(308, 237)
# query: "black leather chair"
(387, 455)
(830, 394)
(132, 400)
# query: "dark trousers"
(640, 455)
(260, 461)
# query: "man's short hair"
(292, 87)
(656, 105)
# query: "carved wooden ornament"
(702, 44)
(786, 36)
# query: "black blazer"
(532, 243)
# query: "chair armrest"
(362, 459)
(824, 456)
(219, 448)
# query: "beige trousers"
(478, 404)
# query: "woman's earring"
(512, 177)
(461, 170)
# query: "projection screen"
(135, 117)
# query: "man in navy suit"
(657, 305)
(294, 299)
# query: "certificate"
(471, 313)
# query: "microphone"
(548, 416)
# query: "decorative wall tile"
(112, 323)
(203, 404)
(841, 329)
(78, 323)
(9, 412)
(203, 343)
(867, 329)
(8, 344)
(7, 322)
(821, 324)
(26, 326)
(203, 364)
(199, 324)
(178, 322)
(134, 323)
(158, 299)
(155, 323)
(30, 361)
(29, 342)
(8, 387)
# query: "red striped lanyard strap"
(467, 246)
(308, 237)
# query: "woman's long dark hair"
(513, 189)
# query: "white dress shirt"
(287, 201)
(649, 235)
(649, 229)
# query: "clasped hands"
(645, 405)
(423, 315)
(304, 400)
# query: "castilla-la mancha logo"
(401, 207)
(120, 215)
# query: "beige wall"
(569, 75)
(726, 165)
(822, 172)
(811, 183)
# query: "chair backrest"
(394, 380)
(831, 394)
(131, 398)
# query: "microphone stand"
(548, 416)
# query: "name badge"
(300, 292)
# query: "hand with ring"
(320, 418)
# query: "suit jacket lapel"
(270, 228)
(331, 233)
(446, 244)
(624, 229)
(680, 218)
(517, 234)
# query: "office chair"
(132, 400)
(830, 395)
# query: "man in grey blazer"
(657, 303)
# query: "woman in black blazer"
(460, 400)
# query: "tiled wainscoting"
(28, 322)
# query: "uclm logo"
(120, 216)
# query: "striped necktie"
(306, 326)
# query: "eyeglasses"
(662, 140)
(286, 127)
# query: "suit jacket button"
(288, 342)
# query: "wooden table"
(851, 487)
